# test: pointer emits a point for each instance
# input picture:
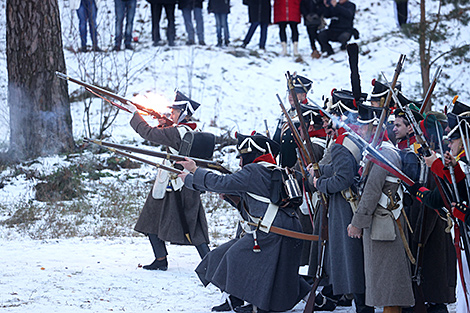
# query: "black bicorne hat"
(369, 114)
(301, 84)
(186, 105)
(256, 144)
(380, 90)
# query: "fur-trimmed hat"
(186, 105)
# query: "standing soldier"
(172, 212)
(438, 268)
(345, 259)
(378, 221)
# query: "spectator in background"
(287, 12)
(402, 11)
(87, 11)
(312, 11)
(341, 26)
(259, 13)
(187, 7)
(124, 8)
(156, 9)
(221, 9)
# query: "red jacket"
(286, 11)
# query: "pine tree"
(40, 118)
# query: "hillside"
(82, 254)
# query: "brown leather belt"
(288, 233)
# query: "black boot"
(161, 265)
(230, 304)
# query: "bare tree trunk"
(424, 56)
(40, 119)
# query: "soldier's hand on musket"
(430, 159)
(188, 164)
(449, 159)
(311, 171)
(130, 107)
(354, 232)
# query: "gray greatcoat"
(387, 267)
(160, 216)
(345, 260)
(268, 279)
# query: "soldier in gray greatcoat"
(259, 268)
(386, 264)
(172, 212)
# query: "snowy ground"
(237, 88)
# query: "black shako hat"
(462, 125)
(301, 84)
(459, 107)
(311, 114)
(343, 101)
(380, 90)
(369, 114)
(183, 103)
(251, 147)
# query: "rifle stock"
(100, 91)
(174, 157)
(427, 98)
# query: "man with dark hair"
(172, 212)
(379, 222)
(341, 27)
(438, 258)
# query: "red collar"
(265, 158)
(405, 143)
(321, 133)
(190, 125)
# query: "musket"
(427, 98)
(303, 129)
(384, 115)
(295, 133)
(100, 91)
(157, 165)
(267, 129)
(371, 153)
(173, 157)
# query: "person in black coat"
(341, 26)
(190, 7)
(156, 7)
(259, 12)
(221, 9)
(312, 11)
